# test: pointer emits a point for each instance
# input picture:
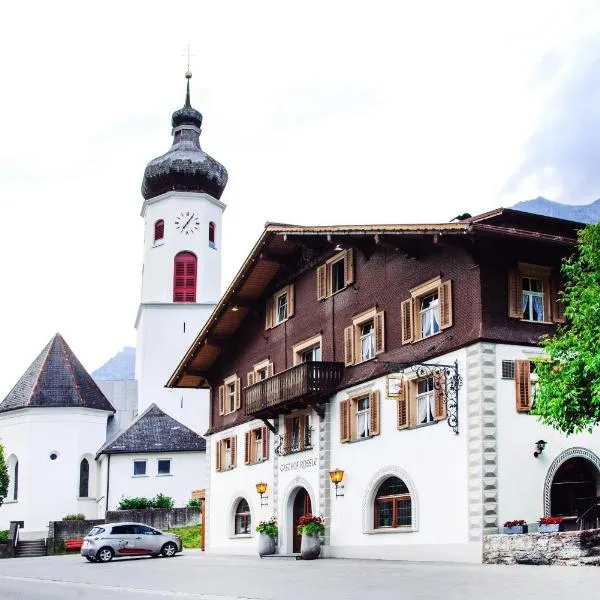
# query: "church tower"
(181, 277)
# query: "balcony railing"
(292, 442)
(292, 388)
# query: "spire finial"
(188, 76)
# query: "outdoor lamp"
(336, 478)
(540, 445)
(261, 488)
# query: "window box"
(550, 528)
(515, 529)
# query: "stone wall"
(59, 531)
(161, 518)
(5, 551)
(565, 548)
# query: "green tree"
(3, 476)
(568, 391)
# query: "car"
(104, 542)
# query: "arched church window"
(84, 478)
(15, 480)
(12, 466)
(184, 280)
(212, 229)
(393, 507)
(159, 230)
(242, 518)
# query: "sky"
(323, 112)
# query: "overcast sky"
(322, 112)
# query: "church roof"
(154, 431)
(56, 378)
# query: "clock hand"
(187, 222)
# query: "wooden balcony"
(307, 384)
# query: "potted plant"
(310, 528)
(267, 539)
(516, 526)
(550, 524)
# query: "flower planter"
(551, 528)
(515, 529)
(310, 547)
(266, 544)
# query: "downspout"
(107, 485)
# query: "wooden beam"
(270, 425)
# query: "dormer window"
(159, 230)
(212, 229)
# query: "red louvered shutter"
(159, 230)
(184, 277)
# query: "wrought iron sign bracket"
(271, 426)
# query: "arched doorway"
(302, 506)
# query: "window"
(280, 307)
(359, 417)
(230, 395)
(260, 371)
(307, 351)
(336, 274)
(421, 401)
(184, 278)
(533, 299)
(84, 478)
(164, 466)
(12, 465)
(242, 518)
(525, 384)
(139, 467)
(226, 454)
(15, 489)
(365, 338)
(508, 369)
(298, 433)
(159, 230)
(256, 445)
(393, 506)
(428, 311)
(211, 234)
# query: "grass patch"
(190, 536)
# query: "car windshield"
(96, 531)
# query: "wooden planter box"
(515, 529)
(549, 528)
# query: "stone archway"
(298, 489)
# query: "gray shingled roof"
(154, 431)
(56, 378)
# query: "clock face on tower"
(186, 222)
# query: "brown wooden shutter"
(439, 397)
(290, 300)
(558, 307)
(515, 295)
(265, 446)
(269, 314)
(523, 385)
(344, 420)
(219, 462)
(247, 439)
(234, 451)
(548, 304)
(407, 320)
(402, 407)
(322, 282)
(379, 332)
(411, 394)
(374, 416)
(238, 394)
(221, 399)
(445, 295)
(270, 370)
(349, 346)
(349, 267)
(250, 378)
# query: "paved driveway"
(195, 575)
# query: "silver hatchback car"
(104, 542)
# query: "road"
(196, 576)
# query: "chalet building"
(400, 355)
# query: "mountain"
(119, 367)
(583, 213)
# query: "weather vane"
(188, 73)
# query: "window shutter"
(407, 321)
(547, 300)
(445, 295)
(344, 420)
(221, 399)
(250, 378)
(349, 345)
(265, 444)
(238, 394)
(269, 314)
(558, 307)
(247, 448)
(234, 451)
(270, 370)
(515, 295)
(374, 416)
(523, 385)
(290, 300)
(321, 282)
(184, 277)
(218, 453)
(439, 397)
(349, 267)
(411, 395)
(379, 333)
(402, 407)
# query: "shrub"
(550, 520)
(162, 501)
(268, 527)
(3, 536)
(194, 503)
(75, 517)
(139, 503)
(515, 523)
(311, 525)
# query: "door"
(124, 541)
(148, 540)
(301, 507)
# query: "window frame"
(224, 395)
(159, 232)
(304, 346)
(353, 338)
(325, 274)
(251, 454)
(348, 413)
(140, 460)
(185, 283)
(221, 452)
(305, 430)
(272, 307)
(264, 366)
(87, 482)
(407, 407)
(158, 461)
(553, 309)
(395, 499)
(247, 515)
(212, 235)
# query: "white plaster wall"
(122, 394)
(48, 490)
(521, 476)
(187, 474)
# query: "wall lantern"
(540, 445)
(261, 488)
(235, 308)
(336, 478)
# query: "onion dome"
(185, 167)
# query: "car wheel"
(169, 549)
(90, 559)
(105, 554)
